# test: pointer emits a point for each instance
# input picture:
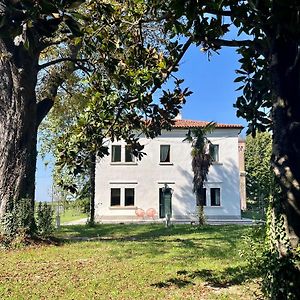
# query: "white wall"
(148, 175)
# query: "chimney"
(178, 117)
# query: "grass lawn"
(71, 215)
(132, 262)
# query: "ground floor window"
(122, 196)
(202, 192)
(215, 197)
(129, 196)
(115, 197)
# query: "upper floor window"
(215, 197)
(121, 154)
(164, 153)
(128, 154)
(214, 152)
(116, 153)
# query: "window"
(129, 196)
(128, 154)
(164, 153)
(115, 197)
(116, 153)
(214, 152)
(121, 154)
(215, 197)
(203, 192)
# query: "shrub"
(19, 218)
(279, 270)
(44, 219)
(253, 250)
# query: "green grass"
(71, 215)
(132, 262)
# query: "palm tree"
(201, 161)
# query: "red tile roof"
(193, 124)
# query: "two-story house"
(128, 190)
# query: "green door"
(165, 204)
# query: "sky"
(212, 100)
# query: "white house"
(128, 190)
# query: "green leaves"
(28, 23)
(259, 176)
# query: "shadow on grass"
(180, 283)
(215, 279)
(136, 232)
(215, 241)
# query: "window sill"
(118, 207)
(166, 164)
(123, 163)
(217, 163)
(209, 206)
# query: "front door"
(163, 203)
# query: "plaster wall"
(148, 175)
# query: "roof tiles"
(194, 124)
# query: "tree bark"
(285, 76)
(18, 130)
(92, 187)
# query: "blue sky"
(212, 99)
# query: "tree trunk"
(18, 129)
(200, 204)
(92, 187)
(285, 76)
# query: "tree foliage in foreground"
(131, 64)
(42, 45)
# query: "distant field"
(71, 215)
(132, 262)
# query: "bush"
(278, 270)
(281, 276)
(44, 220)
(253, 250)
(19, 218)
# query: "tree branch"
(43, 107)
(59, 60)
(231, 43)
(56, 78)
(48, 42)
(169, 70)
(223, 13)
(173, 66)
